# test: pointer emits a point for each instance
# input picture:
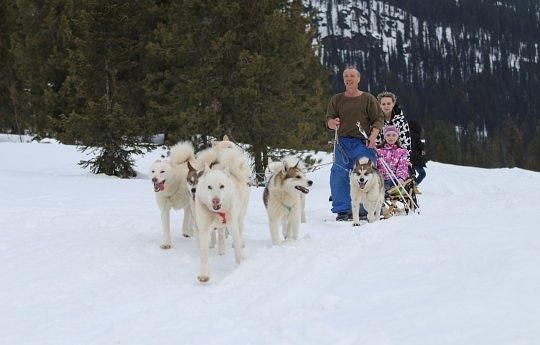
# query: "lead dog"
(169, 179)
(367, 188)
(275, 166)
(282, 199)
(217, 206)
(221, 198)
(227, 155)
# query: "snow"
(81, 264)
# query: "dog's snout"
(361, 179)
(309, 183)
(154, 179)
(215, 201)
(193, 190)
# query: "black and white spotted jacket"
(398, 120)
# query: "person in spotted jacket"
(395, 157)
(393, 115)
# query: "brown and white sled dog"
(283, 202)
(169, 179)
(367, 188)
(274, 167)
(217, 206)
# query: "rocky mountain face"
(471, 65)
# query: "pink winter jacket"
(396, 159)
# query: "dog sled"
(400, 199)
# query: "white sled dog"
(169, 179)
(283, 202)
(217, 206)
(221, 199)
(227, 155)
(274, 167)
(367, 188)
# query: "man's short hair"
(354, 68)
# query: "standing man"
(345, 110)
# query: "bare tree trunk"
(259, 156)
(13, 98)
(108, 87)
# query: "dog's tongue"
(302, 189)
(159, 186)
(362, 184)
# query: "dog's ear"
(296, 166)
(225, 137)
(190, 167)
(285, 166)
(356, 165)
(270, 161)
(206, 167)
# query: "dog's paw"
(203, 279)
(356, 224)
(165, 246)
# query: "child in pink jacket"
(394, 156)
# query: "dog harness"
(289, 208)
(223, 218)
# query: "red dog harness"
(223, 218)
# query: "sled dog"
(218, 206)
(223, 154)
(275, 166)
(169, 179)
(282, 199)
(227, 155)
(367, 188)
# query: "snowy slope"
(81, 264)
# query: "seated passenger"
(394, 156)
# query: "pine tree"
(184, 80)
(246, 69)
(279, 87)
(533, 150)
(40, 51)
(13, 98)
(107, 116)
(443, 144)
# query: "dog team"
(212, 188)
